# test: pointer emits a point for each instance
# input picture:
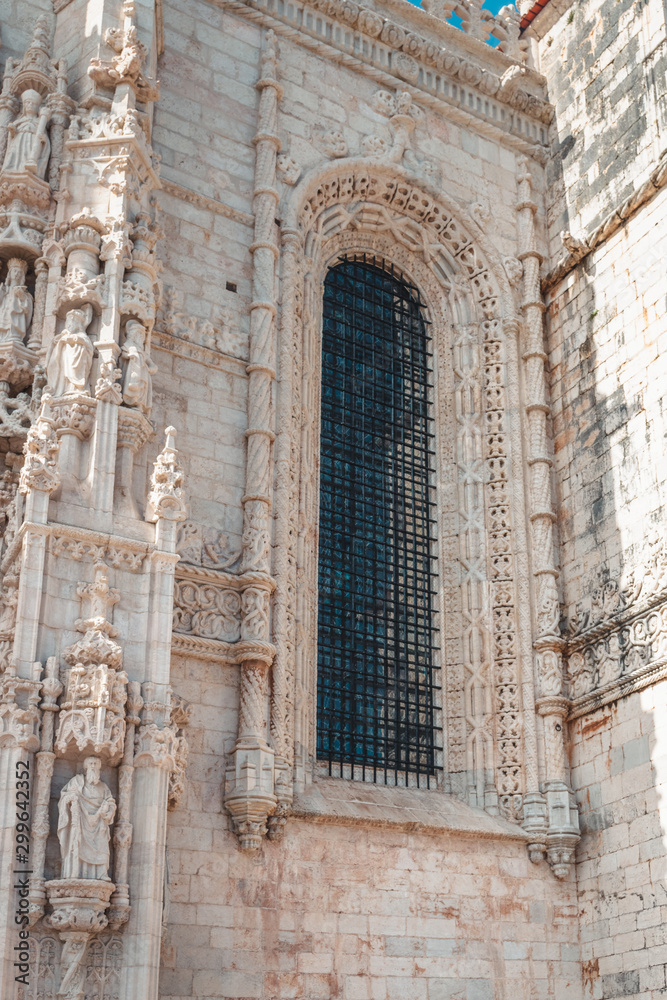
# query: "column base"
(250, 797)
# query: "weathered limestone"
(175, 183)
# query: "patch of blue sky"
(492, 5)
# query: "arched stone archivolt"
(489, 756)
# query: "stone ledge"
(357, 803)
(651, 674)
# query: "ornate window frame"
(357, 205)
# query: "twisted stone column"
(558, 830)
(284, 562)
(45, 759)
(250, 785)
(261, 370)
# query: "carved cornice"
(233, 581)
(218, 651)
(644, 678)
(428, 80)
(83, 544)
(625, 647)
(185, 349)
(656, 180)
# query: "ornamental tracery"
(380, 211)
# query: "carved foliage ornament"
(40, 468)
(381, 208)
(166, 497)
(92, 714)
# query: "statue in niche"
(85, 813)
(137, 382)
(71, 355)
(28, 145)
(15, 303)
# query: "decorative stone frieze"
(412, 58)
(206, 610)
(204, 546)
(211, 334)
(617, 635)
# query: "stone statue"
(85, 814)
(137, 383)
(15, 303)
(71, 355)
(28, 145)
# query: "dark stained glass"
(376, 632)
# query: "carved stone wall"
(164, 235)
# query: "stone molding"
(352, 803)
(208, 204)
(440, 96)
(204, 355)
(212, 604)
(582, 245)
(623, 653)
(408, 48)
(367, 206)
(83, 544)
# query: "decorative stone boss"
(85, 813)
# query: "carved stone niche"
(134, 431)
(34, 109)
(92, 712)
(79, 900)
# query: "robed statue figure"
(85, 814)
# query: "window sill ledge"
(356, 803)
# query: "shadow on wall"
(604, 324)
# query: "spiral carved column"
(250, 795)
(552, 818)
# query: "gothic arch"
(363, 206)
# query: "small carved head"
(16, 271)
(91, 769)
(135, 333)
(78, 320)
(31, 101)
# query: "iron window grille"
(377, 637)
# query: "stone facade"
(176, 178)
(606, 336)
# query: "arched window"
(376, 632)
